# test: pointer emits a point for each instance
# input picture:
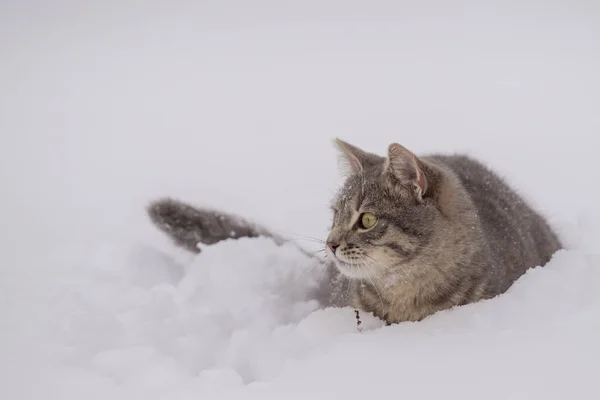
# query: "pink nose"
(333, 246)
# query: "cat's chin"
(351, 271)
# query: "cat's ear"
(407, 168)
(354, 160)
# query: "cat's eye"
(367, 220)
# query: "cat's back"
(517, 236)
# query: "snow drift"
(106, 106)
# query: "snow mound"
(238, 320)
(237, 312)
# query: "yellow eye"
(368, 220)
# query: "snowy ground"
(106, 106)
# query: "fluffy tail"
(188, 226)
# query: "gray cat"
(410, 235)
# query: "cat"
(410, 236)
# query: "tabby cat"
(410, 235)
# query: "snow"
(106, 106)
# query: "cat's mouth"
(350, 270)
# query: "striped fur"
(449, 232)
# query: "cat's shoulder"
(453, 160)
(465, 166)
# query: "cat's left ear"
(403, 165)
(355, 160)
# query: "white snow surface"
(105, 106)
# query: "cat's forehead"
(370, 191)
(345, 194)
(355, 190)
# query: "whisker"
(369, 270)
(317, 263)
(375, 274)
(384, 266)
(302, 236)
(308, 239)
(312, 253)
(413, 246)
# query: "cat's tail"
(188, 226)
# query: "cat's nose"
(333, 246)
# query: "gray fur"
(449, 232)
(189, 226)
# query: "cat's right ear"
(405, 166)
(354, 160)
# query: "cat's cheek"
(353, 272)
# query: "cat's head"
(385, 214)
